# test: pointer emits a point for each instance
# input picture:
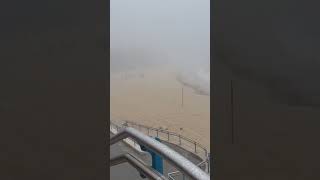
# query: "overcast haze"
(157, 47)
(160, 32)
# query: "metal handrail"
(171, 174)
(175, 158)
(205, 159)
(138, 164)
(196, 144)
(139, 126)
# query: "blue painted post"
(157, 162)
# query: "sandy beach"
(153, 97)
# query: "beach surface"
(153, 97)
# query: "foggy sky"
(160, 31)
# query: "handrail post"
(168, 136)
(195, 147)
(179, 139)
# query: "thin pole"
(182, 96)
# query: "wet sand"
(154, 98)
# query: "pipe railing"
(204, 156)
(173, 174)
(168, 136)
(174, 138)
(181, 163)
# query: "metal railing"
(174, 174)
(180, 162)
(171, 175)
(171, 137)
(117, 128)
(174, 138)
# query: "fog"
(153, 33)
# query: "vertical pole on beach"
(182, 96)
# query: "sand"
(153, 97)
